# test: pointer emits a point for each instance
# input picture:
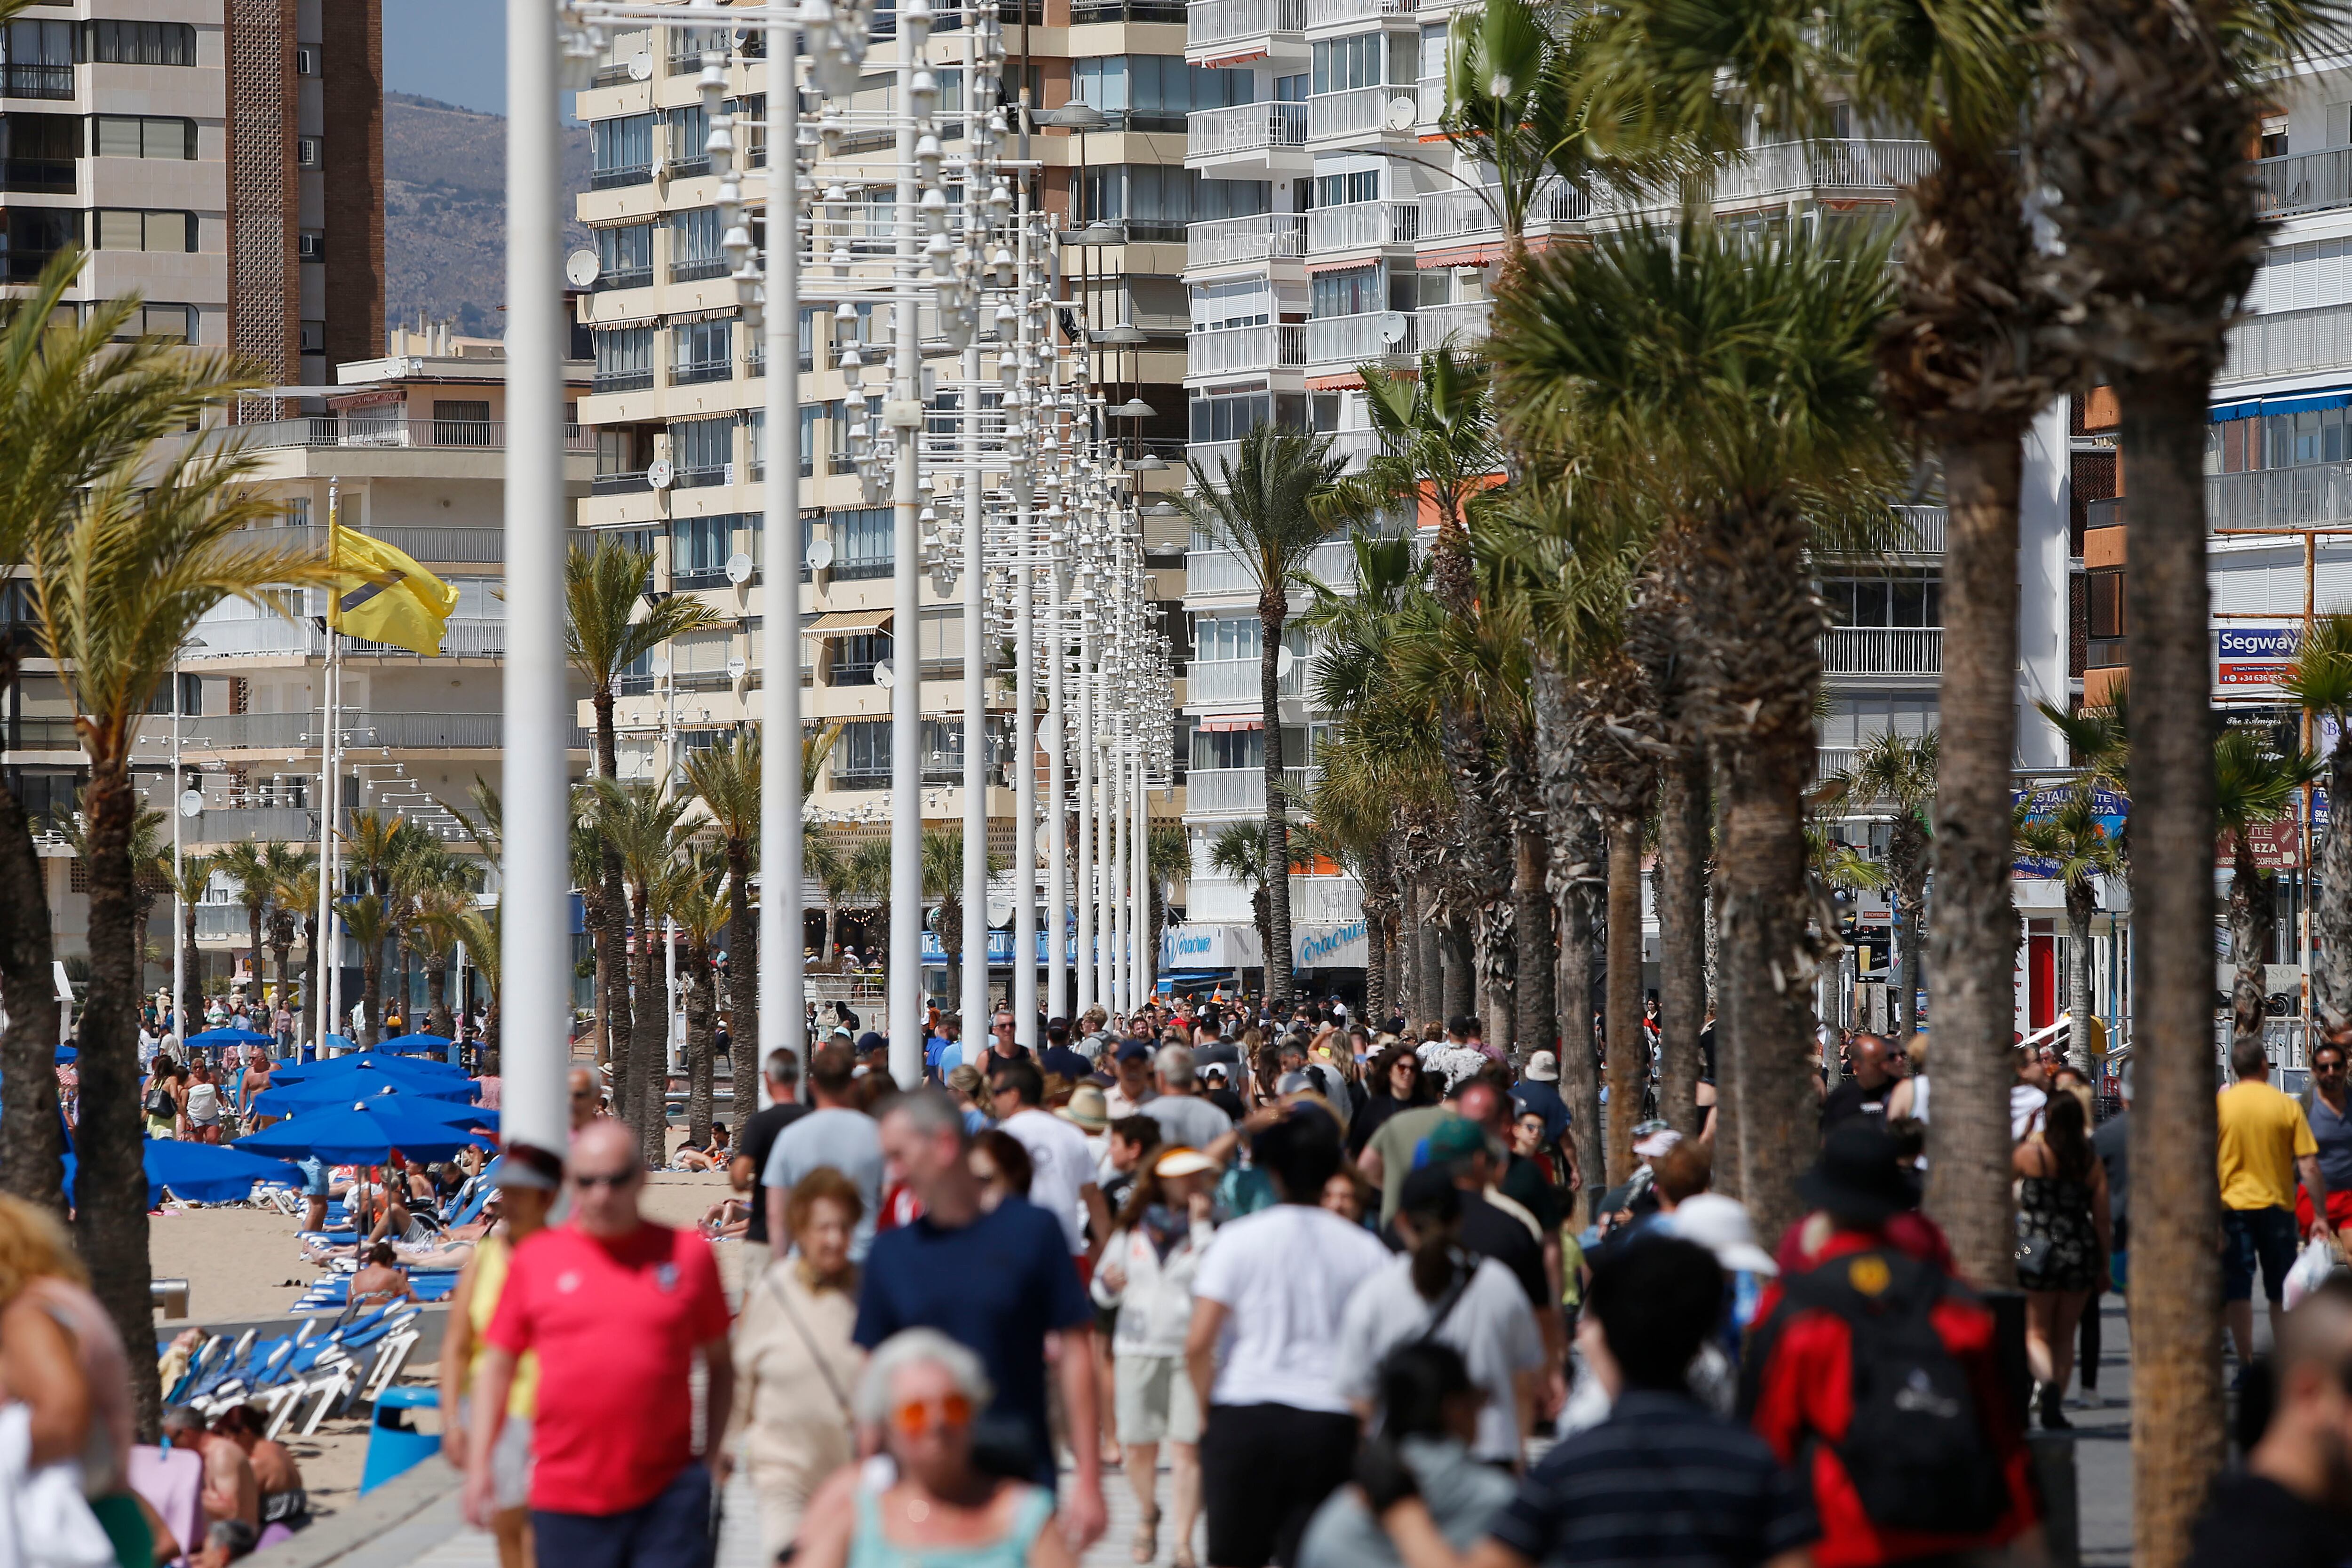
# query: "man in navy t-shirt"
(998, 1283)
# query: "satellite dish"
(658, 663)
(192, 803)
(1283, 660)
(999, 912)
(820, 554)
(581, 268)
(1395, 324)
(736, 669)
(885, 673)
(739, 568)
(662, 475)
(641, 68)
(1402, 113)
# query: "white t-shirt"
(1490, 1324)
(1063, 1167)
(1285, 1275)
(2025, 1108)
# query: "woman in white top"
(203, 1107)
(1146, 1273)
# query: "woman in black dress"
(2062, 1229)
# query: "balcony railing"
(1212, 571)
(1232, 350)
(1085, 11)
(1828, 760)
(1339, 13)
(1353, 339)
(1785, 168)
(2287, 342)
(695, 371)
(1470, 214)
(625, 174)
(467, 546)
(277, 731)
(624, 278)
(2280, 497)
(1355, 225)
(466, 638)
(1882, 650)
(1211, 23)
(1326, 900)
(621, 381)
(1924, 529)
(1262, 236)
(698, 267)
(1225, 682)
(2305, 182)
(1466, 323)
(624, 484)
(327, 430)
(1358, 111)
(1234, 792)
(1243, 128)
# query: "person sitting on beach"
(381, 1282)
(711, 1157)
(284, 1500)
(727, 1217)
(232, 1492)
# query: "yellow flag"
(384, 596)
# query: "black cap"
(1860, 1174)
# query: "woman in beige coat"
(794, 1364)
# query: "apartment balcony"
(330, 430)
(1215, 574)
(242, 824)
(1325, 14)
(1467, 225)
(1247, 137)
(1465, 325)
(1859, 167)
(1923, 530)
(1361, 226)
(2304, 182)
(1235, 682)
(1882, 650)
(1351, 340)
(1362, 112)
(36, 81)
(1326, 900)
(2289, 342)
(279, 731)
(1828, 760)
(466, 546)
(1235, 350)
(1239, 241)
(695, 372)
(2280, 497)
(1242, 29)
(39, 733)
(1235, 791)
(267, 637)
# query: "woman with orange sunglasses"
(921, 1392)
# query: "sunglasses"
(615, 1180)
(2327, 1066)
(949, 1412)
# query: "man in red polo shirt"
(617, 1307)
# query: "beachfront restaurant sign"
(1184, 948)
(2250, 654)
(1341, 946)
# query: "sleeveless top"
(869, 1549)
(492, 1254)
(204, 1103)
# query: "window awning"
(1214, 726)
(2294, 403)
(846, 622)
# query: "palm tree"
(2321, 684)
(114, 574)
(369, 922)
(1436, 426)
(704, 914)
(187, 882)
(2253, 785)
(481, 937)
(866, 875)
(1166, 860)
(292, 896)
(2075, 843)
(1266, 509)
(374, 845)
(1731, 382)
(247, 865)
(726, 779)
(604, 636)
(2150, 114)
(943, 886)
(642, 829)
(1898, 771)
(1238, 854)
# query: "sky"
(455, 50)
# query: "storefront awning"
(846, 622)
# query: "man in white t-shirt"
(1267, 1304)
(1062, 1182)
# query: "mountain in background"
(445, 204)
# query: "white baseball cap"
(1721, 1226)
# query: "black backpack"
(1918, 1447)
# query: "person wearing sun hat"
(1145, 1274)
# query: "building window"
(306, 59)
(1897, 599)
(1342, 190)
(461, 422)
(2106, 602)
(703, 351)
(309, 153)
(141, 43)
(29, 236)
(38, 152)
(698, 547)
(1233, 748)
(1156, 202)
(624, 358)
(37, 58)
(861, 756)
(314, 337)
(129, 228)
(622, 152)
(694, 250)
(624, 256)
(1341, 64)
(854, 657)
(176, 322)
(1230, 418)
(1351, 291)
(141, 136)
(862, 542)
(689, 131)
(1225, 637)
(703, 451)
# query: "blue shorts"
(2249, 1235)
(671, 1532)
(314, 1177)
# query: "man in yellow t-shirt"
(2264, 1146)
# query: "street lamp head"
(1077, 115)
(1102, 231)
(1133, 409)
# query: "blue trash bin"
(395, 1444)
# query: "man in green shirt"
(1388, 1156)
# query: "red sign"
(2277, 846)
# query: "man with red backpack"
(1875, 1371)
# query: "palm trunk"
(371, 993)
(437, 995)
(1536, 1023)
(32, 1140)
(1461, 991)
(2179, 1430)
(253, 930)
(832, 914)
(1429, 944)
(699, 984)
(1629, 1063)
(1682, 935)
(1380, 905)
(2081, 903)
(1273, 611)
(1498, 953)
(192, 956)
(2253, 913)
(110, 1185)
(314, 978)
(743, 953)
(1580, 1074)
(648, 1039)
(950, 935)
(612, 971)
(1909, 852)
(2331, 911)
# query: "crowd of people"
(1344, 1278)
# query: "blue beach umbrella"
(416, 1044)
(362, 1133)
(325, 1094)
(401, 1069)
(217, 1039)
(203, 1173)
